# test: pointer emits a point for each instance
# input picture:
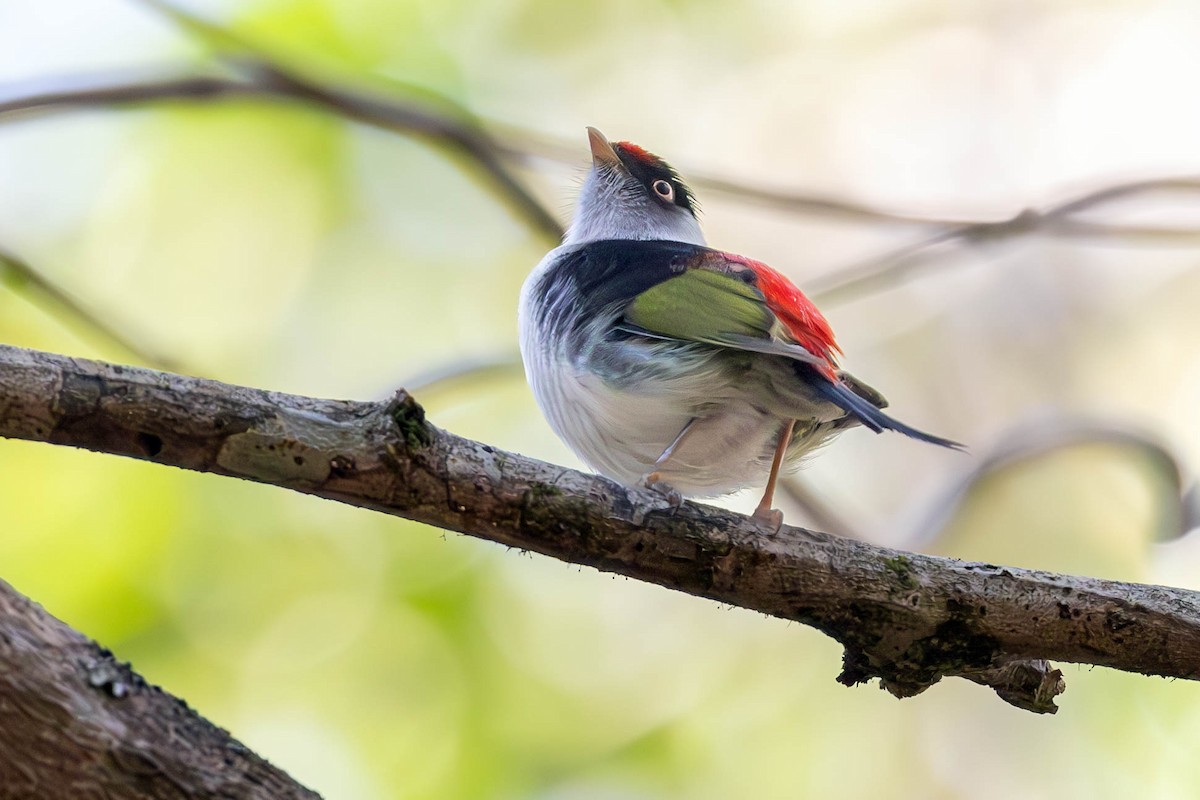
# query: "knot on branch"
(105, 673)
(1031, 685)
(409, 417)
(956, 648)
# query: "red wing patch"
(803, 321)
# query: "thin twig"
(421, 115)
(1042, 437)
(816, 509)
(896, 267)
(434, 117)
(444, 128)
(532, 148)
(528, 146)
(465, 371)
(16, 273)
(1120, 191)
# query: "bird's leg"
(653, 480)
(771, 517)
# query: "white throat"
(612, 224)
(607, 210)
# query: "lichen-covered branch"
(905, 618)
(75, 722)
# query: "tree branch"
(76, 722)
(905, 618)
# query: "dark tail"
(842, 395)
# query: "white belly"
(622, 434)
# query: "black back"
(598, 280)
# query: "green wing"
(711, 304)
(702, 306)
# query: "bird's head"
(630, 193)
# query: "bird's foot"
(769, 518)
(655, 483)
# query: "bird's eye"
(664, 190)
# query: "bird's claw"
(769, 518)
(655, 483)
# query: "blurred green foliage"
(288, 249)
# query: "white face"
(615, 205)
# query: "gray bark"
(905, 618)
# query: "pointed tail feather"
(865, 412)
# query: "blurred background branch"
(446, 126)
(18, 275)
(427, 115)
(895, 267)
(1038, 438)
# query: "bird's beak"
(602, 152)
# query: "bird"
(666, 364)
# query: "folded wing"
(696, 294)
